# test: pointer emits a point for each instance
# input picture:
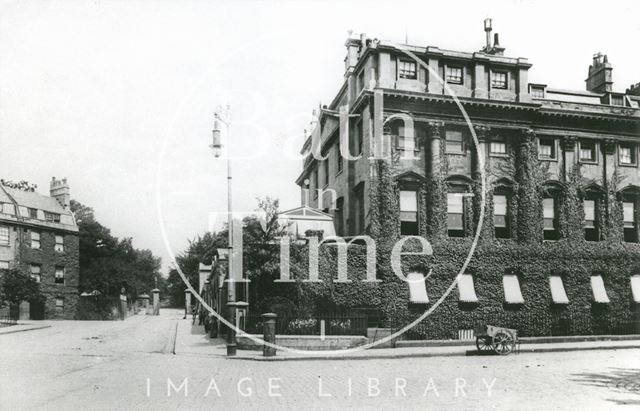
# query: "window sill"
(548, 159)
(592, 162)
(499, 155)
(456, 153)
(630, 165)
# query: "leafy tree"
(107, 263)
(17, 287)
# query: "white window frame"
(59, 245)
(595, 153)
(8, 235)
(35, 240)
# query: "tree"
(107, 263)
(17, 287)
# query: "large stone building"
(560, 234)
(39, 237)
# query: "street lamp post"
(224, 116)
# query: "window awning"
(417, 288)
(558, 294)
(599, 292)
(466, 291)
(635, 288)
(512, 293)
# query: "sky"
(119, 96)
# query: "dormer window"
(33, 213)
(499, 80)
(617, 101)
(407, 69)
(536, 91)
(454, 75)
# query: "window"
(59, 246)
(455, 214)
(4, 265)
(359, 207)
(547, 149)
(52, 217)
(537, 92)
(357, 141)
(325, 167)
(35, 272)
(499, 79)
(408, 212)
(417, 288)
(466, 290)
(500, 216)
(588, 151)
(617, 101)
(591, 232)
(4, 235)
(512, 292)
(454, 75)
(59, 304)
(627, 154)
(454, 141)
(33, 213)
(630, 230)
(599, 291)
(339, 216)
(498, 145)
(549, 218)
(35, 239)
(403, 142)
(558, 293)
(339, 158)
(407, 69)
(59, 278)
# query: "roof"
(298, 221)
(32, 199)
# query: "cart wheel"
(503, 343)
(484, 343)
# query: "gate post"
(187, 302)
(156, 301)
(269, 326)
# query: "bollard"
(156, 301)
(269, 326)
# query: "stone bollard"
(269, 326)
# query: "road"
(129, 364)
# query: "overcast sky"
(94, 90)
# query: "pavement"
(191, 340)
(162, 363)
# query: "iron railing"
(7, 320)
(527, 324)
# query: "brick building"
(39, 237)
(561, 222)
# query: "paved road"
(130, 365)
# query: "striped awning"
(512, 293)
(635, 288)
(417, 288)
(466, 290)
(558, 293)
(599, 292)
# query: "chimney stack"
(634, 89)
(600, 79)
(487, 30)
(59, 189)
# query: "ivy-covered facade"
(561, 182)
